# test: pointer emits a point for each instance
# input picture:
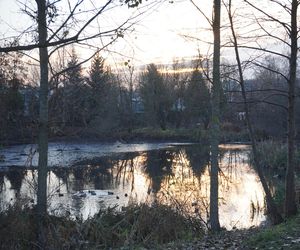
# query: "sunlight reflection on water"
(178, 176)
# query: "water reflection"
(158, 166)
(177, 176)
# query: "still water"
(85, 178)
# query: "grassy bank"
(182, 134)
(157, 134)
(132, 227)
(135, 135)
(283, 236)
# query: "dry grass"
(136, 225)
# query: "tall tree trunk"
(290, 195)
(272, 209)
(215, 122)
(43, 110)
(131, 69)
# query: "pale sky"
(157, 37)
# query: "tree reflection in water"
(178, 176)
(158, 166)
(1, 181)
(16, 178)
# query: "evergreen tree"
(75, 94)
(102, 96)
(98, 75)
(98, 82)
(155, 96)
(12, 78)
(74, 72)
(197, 100)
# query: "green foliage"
(279, 194)
(283, 236)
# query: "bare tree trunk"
(290, 195)
(43, 111)
(272, 209)
(131, 69)
(215, 122)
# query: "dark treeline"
(101, 102)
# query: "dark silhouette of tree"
(276, 217)
(46, 17)
(43, 113)
(99, 81)
(12, 78)
(98, 74)
(75, 93)
(289, 29)
(197, 100)
(199, 158)
(154, 94)
(177, 84)
(16, 178)
(215, 121)
(158, 166)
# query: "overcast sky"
(157, 37)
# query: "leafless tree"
(56, 24)
(276, 217)
(279, 28)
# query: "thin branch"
(263, 50)
(66, 20)
(284, 6)
(257, 90)
(260, 101)
(273, 36)
(271, 70)
(202, 13)
(285, 25)
(74, 38)
(80, 63)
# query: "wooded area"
(252, 98)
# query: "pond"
(86, 177)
